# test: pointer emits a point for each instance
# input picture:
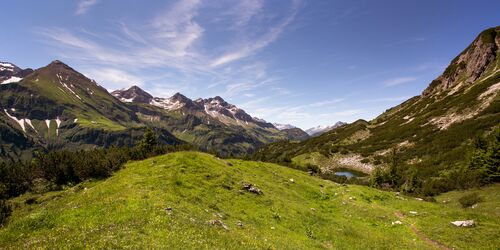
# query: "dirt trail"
(421, 235)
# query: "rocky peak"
(318, 130)
(9, 72)
(133, 94)
(175, 102)
(469, 65)
(180, 98)
(280, 126)
(8, 68)
(56, 64)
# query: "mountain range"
(56, 107)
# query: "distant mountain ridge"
(318, 130)
(215, 107)
(283, 126)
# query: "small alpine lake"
(349, 173)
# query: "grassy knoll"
(184, 200)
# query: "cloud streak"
(246, 48)
(84, 6)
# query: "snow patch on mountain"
(283, 126)
(19, 121)
(66, 86)
(315, 131)
(167, 103)
(6, 67)
(12, 79)
(58, 122)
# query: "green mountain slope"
(56, 107)
(431, 133)
(192, 200)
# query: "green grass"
(128, 210)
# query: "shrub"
(313, 169)
(5, 211)
(469, 200)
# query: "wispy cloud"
(173, 40)
(114, 77)
(244, 11)
(399, 80)
(84, 5)
(248, 47)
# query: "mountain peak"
(10, 73)
(318, 130)
(469, 65)
(280, 126)
(179, 96)
(57, 63)
(133, 94)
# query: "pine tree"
(149, 140)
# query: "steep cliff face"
(470, 65)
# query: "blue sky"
(301, 62)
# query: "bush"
(5, 211)
(313, 169)
(469, 200)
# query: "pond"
(349, 173)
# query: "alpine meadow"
(250, 124)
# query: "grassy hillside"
(428, 137)
(195, 200)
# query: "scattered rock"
(396, 223)
(463, 223)
(251, 188)
(272, 228)
(413, 212)
(474, 206)
(218, 223)
(313, 209)
(292, 180)
(192, 219)
(239, 223)
(352, 198)
(419, 199)
(168, 210)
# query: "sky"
(301, 62)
